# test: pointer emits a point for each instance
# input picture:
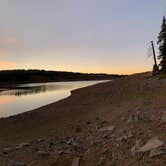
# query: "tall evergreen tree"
(162, 46)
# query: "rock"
(135, 148)
(156, 152)
(101, 161)
(97, 118)
(60, 152)
(105, 151)
(88, 122)
(51, 144)
(78, 129)
(7, 150)
(36, 149)
(70, 141)
(15, 164)
(20, 164)
(105, 136)
(130, 134)
(25, 144)
(137, 116)
(125, 137)
(40, 140)
(18, 147)
(151, 144)
(100, 123)
(163, 118)
(43, 153)
(108, 128)
(76, 161)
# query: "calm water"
(26, 97)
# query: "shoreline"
(14, 85)
(71, 91)
(108, 107)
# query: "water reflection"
(30, 96)
(6, 99)
(30, 89)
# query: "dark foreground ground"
(118, 123)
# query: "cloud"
(6, 65)
(11, 40)
(3, 53)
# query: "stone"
(105, 151)
(78, 129)
(163, 118)
(15, 164)
(43, 153)
(108, 128)
(88, 122)
(18, 147)
(135, 148)
(101, 161)
(25, 144)
(125, 137)
(97, 118)
(70, 141)
(7, 150)
(130, 135)
(151, 144)
(40, 140)
(156, 152)
(105, 136)
(20, 164)
(60, 152)
(76, 161)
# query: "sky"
(100, 36)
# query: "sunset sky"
(101, 36)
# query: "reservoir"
(26, 97)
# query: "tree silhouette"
(162, 46)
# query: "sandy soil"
(97, 125)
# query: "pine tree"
(162, 46)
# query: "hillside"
(32, 76)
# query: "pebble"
(135, 148)
(156, 152)
(7, 150)
(16, 164)
(25, 144)
(108, 128)
(76, 161)
(152, 146)
(43, 153)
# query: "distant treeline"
(31, 76)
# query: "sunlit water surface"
(27, 97)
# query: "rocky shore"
(118, 123)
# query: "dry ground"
(133, 106)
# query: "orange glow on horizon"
(6, 65)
